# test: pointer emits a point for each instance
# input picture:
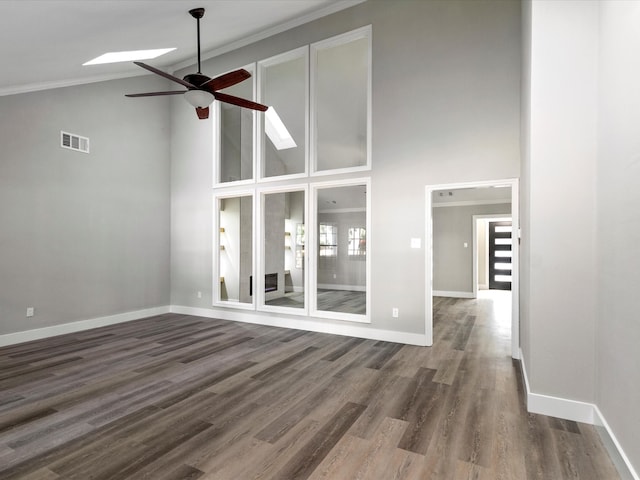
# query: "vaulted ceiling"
(43, 43)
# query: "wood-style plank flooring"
(180, 397)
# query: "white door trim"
(515, 284)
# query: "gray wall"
(560, 229)
(83, 236)
(446, 93)
(618, 193)
(452, 262)
(580, 256)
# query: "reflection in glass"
(341, 276)
(284, 89)
(235, 258)
(236, 136)
(341, 95)
(284, 248)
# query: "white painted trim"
(555, 406)
(445, 293)
(305, 323)
(352, 288)
(617, 454)
(72, 327)
(579, 412)
(337, 40)
(301, 52)
(466, 203)
(515, 284)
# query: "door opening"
(475, 199)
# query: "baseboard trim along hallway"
(579, 412)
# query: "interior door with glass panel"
(500, 255)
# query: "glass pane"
(284, 249)
(503, 253)
(341, 262)
(502, 278)
(503, 229)
(284, 141)
(502, 241)
(341, 105)
(235, 258)
(236, 136)
(502, 266)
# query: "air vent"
(74, 142)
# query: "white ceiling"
(43, 43)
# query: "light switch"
(466, 245)
(416, 243)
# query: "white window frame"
(216, 290)
(358, 34)
(259, 284)
(217, 136)
(312, 251)
(302, 52)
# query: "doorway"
(452, 192)
(500, 266)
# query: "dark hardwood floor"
(179, 397)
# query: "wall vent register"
(74, 142)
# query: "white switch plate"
(416, 243)
(395, 313)
(30, 311)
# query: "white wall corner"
(72, 327)
(579, 412)
(556, 406)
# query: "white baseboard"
(444, 293)
(299, 323)
(617, 454)
(351, 288)
(54, 330)
(579, 412)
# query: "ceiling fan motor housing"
(196, 79)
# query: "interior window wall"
(308, 261)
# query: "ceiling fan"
(202, 90)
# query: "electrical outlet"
(395, 313)
(199, 294)
(31, 311)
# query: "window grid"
(357, 242)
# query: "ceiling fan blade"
(226, 80)
(164, 74)
(202, 112)
(155, 94)
(240, 102)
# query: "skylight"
(128, 56)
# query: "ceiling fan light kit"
(201, 89)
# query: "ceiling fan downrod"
(198, 13)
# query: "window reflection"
(283, 254)
(235, 256)
(341, 278)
